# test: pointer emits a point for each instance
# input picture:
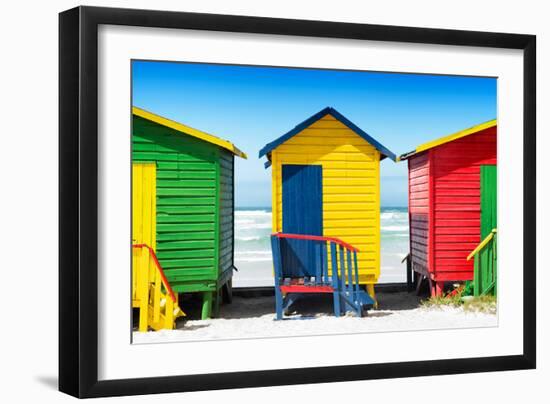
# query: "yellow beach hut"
(326, 182)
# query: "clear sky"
(253, 105)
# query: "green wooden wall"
(488, 199)
(226, 214)
(194, 209)
(485, 271)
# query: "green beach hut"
(183, 204)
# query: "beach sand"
(253, 317)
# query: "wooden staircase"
(316, 264)
(151, 292)
(485, 265)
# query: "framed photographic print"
(251, 201)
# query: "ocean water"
(253, 250)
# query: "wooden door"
(302, 214)
(144, 221)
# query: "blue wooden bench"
(301, 266)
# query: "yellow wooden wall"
(351, 186)
(143, 224)
(144, 210)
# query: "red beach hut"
(445, 199)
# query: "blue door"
(302, 214)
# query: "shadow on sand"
(396, 301)
(308, 306)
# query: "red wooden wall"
(419, 209)
(450, 175)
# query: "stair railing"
(344, 276)
(151, 292)
(485, 273)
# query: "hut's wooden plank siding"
(444, 204)
(351, 186)
(187, 201)
(226, 211)
(419, 210)
(456, 204)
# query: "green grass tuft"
(438, 301)
(459, 297)
(483, 304)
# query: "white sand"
(254, 318)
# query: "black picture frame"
(78, 200)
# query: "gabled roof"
(225, 144)
(314, 118)
(449, 138)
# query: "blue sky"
(251, 106)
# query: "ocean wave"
(394, 228)
(244, 221)
(253, 259)
(250, 226)
(250, 238)
(394, 215)
(252, 252)
(252, 213)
